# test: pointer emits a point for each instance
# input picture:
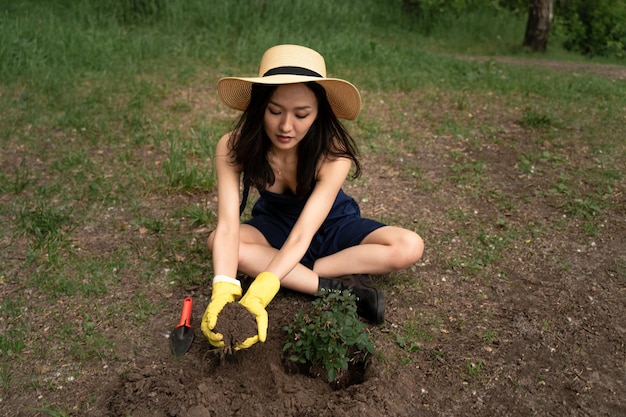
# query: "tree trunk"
(411, 6)
(538, 25)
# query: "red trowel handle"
(185, 316)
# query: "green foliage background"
(593, 27)
(49, 42)
(589, 27)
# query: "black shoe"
(370, 302)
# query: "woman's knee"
(209, 241)
(417, 247)
(408, 249)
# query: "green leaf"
(332, 374)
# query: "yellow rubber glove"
(225, 290)
(258, 296)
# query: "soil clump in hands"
(236, 324)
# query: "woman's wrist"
(225, 278)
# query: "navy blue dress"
(274, 215)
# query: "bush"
(593, 27)
(131, 12)
(329, 334)
(430, 12)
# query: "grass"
(473, 369)
(110, 118)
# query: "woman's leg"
(255, 253)
(385, 250)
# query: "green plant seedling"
(328, 333)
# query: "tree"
(538, 24)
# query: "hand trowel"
(182, 335)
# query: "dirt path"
(614, 72)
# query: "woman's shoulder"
(227, 136)
(333, 161)
(226, 141)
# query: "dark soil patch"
(256, 381)
(236, 324)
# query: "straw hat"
(290, 64)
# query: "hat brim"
(344, 98)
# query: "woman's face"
(289, 114)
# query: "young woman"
(305, 234)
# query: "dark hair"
(327, 137)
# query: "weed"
(42, 222)
(437, 354)
(525, 164)
(583, 207)
(411, 336)
(504, 201)
(473, 369)
(54, 411)
(407, 344)
(72, 160)
(153, 225)
(457, 214)
(11, 342)
(619, 267)
(466, 170)
(469, 172)
(53, 282)
(199, 214)
(490, 336)
(591, 229)
(541, 379)
(574, 202)
(533, 118)
(19, 181)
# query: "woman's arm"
(331, 176)
(226, 237)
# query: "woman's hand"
(225, 290)
(258, 296)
